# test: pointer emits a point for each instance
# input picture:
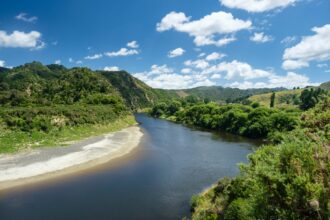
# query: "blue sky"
(175, 44)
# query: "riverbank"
(15, 141)
(44, 163)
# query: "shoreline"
(44, 164)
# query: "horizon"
(175, 45)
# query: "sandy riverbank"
(45, 163)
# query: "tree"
(310, 97)
(272, 100)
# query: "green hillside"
(282, 98)
(136, 93)
(222, 94)
(325, 86)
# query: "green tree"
(272, 100)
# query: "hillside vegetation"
(286, 98)
(222, 94)
(289, 180)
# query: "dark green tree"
(272, 100)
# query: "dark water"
(172, 163)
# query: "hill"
(282, 98)
(222, 94)
(37, 84)
(136, 93)
(325, 86)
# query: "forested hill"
(37, 84)
(136, 93)
(222, 94)
(325, 86)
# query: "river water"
(156, 181)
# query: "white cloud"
(79, 62)
(186, 70)
(216, 76)
(199, 64)
(111, 68)
(236, 69)
(122, 52)
(201, 54)
(2, 63)
(275, 81)
(289, 40)
(257, 5)
(21, 39)
(311, 48)
(94, 57)
(166, 78)
(215, 56)
(24, 17)
(207, 28)
(261, 38)
(133, 44)
(57, 62)
(176, 52)
(322, 65)
(294, 64)
(71, 60)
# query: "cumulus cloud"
(94, 57)
(166, 78)
(122, 52)
(21, 39)
(290, 80)
(215, 56)
(199, 64)
(261, 38)
(294, 64)
(186, 70)
(207, 29)
(26, 18)
(2, 63)
(257, 5)
(111, 68)
(133, 44)
(176, 52)
(236, 69)
(310, 48)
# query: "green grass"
(281, 98)
(12, 141)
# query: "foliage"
(285, 181)
(221, 94)
(272, 100)
(255, 121)
(310, 97)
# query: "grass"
(15, 141)
(281, 98)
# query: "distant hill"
(325, 86)
(282, 98)
(37, 84)
(222, 94)
(136, 93)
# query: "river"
(156, 181)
